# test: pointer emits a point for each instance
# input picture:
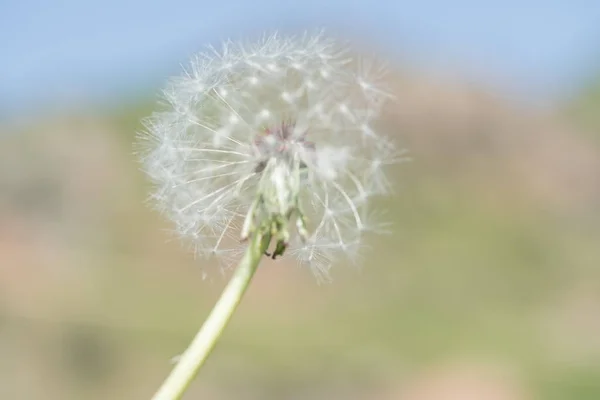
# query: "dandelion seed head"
(286, 120)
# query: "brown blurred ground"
(488, 289)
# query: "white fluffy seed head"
(287, 119)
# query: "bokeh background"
(488, 288)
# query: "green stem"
(196, 354)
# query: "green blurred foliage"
(492, 264)
(585, 110)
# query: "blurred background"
(488, 289)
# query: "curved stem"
(196, 354)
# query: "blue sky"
(66, 51)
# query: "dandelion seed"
(280, 130)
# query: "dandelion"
(282, 129)
(271, 142)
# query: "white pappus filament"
(282, 127)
